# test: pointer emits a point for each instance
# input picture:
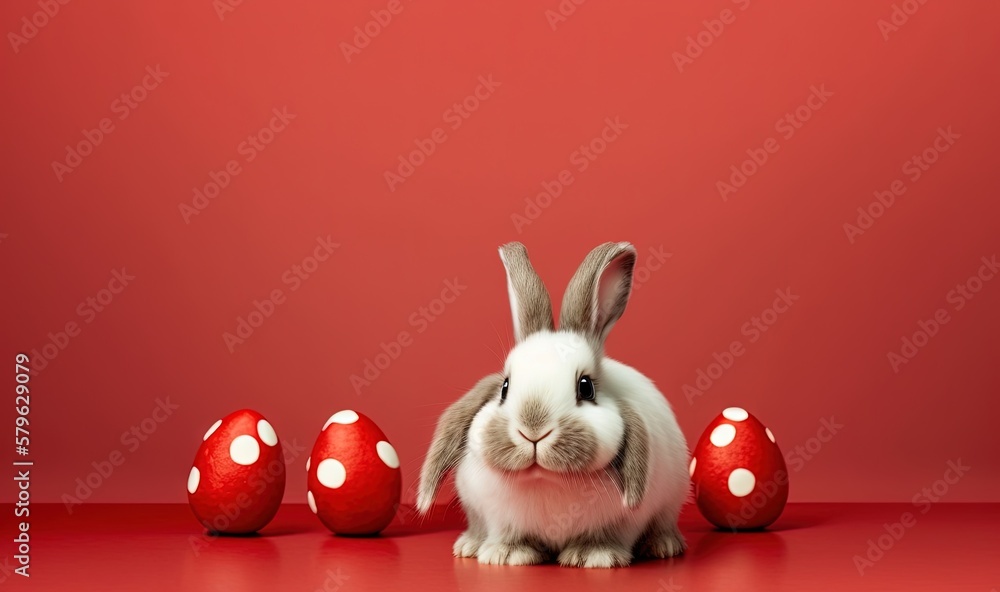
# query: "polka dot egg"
(354, 482)
(739, 474)
(238, 476)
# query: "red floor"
(811, 547)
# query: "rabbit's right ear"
(451, 438)
(529, 300)
(599, 290)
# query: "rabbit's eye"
(503, 390)
(585, 389)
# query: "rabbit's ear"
(598, 293)
(529, 300)
(451, 438)
(632, 462)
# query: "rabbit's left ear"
(598, 293)
(632, 462)
(451, 438)
(529, 300)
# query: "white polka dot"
(723, 434)
(266, 433)
(244, 450)
(331, 473)
(770, 435)
(311, 500)
(308, 461)
(212, 429)
(388, 454)
(735, 413)
(741, 482)
(342, 417)
(194, 478)
(694, 461)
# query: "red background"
(655, 186)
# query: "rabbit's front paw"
(584, 554)
(661, 544)
(468, 544)
(509, 553)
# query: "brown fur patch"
(450, 437)
(575, 446)
(530, 302)
(499, 451)
(534, 418)
(632, 462)
(582, 311)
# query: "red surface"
(811, 547)
(323, 175)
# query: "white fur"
(555, 507)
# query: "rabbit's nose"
(537, 440)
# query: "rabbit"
(566, 453)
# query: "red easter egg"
(354, 478)
(739, 474)
(238, 477)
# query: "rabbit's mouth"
(563, 446)
(528, 468)
(535, 471)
